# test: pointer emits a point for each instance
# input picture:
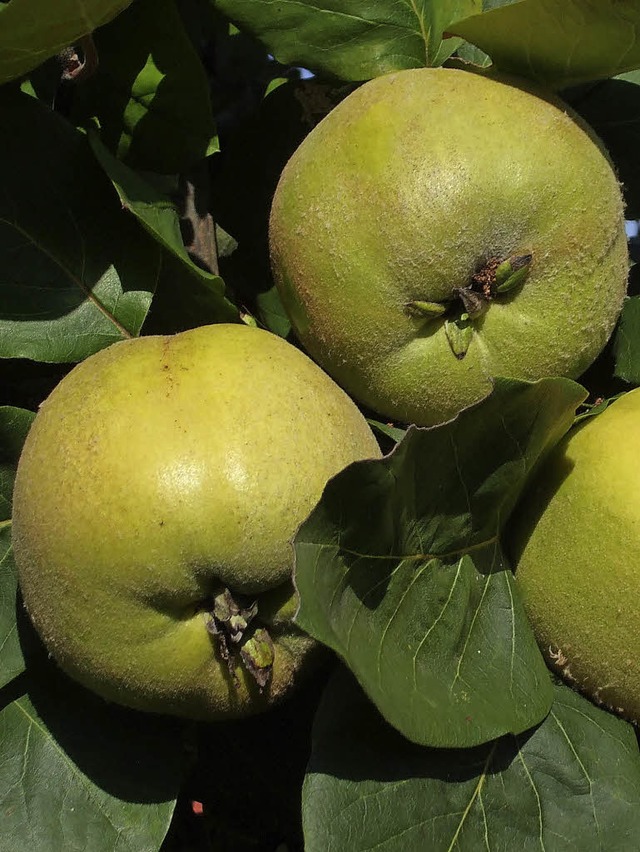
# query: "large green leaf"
(33, 30)
(14, 425)
(558, 42)
(571, 784)
(150, 93)
(352, 39)
(400, 570)
(76, 272)
(79, 774)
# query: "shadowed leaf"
(14, 425)
(150, 93)
(33, 30)
(400, 570)
(572, 783)
(76, 273)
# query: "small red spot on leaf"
(197, 808)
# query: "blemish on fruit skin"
(557, 657)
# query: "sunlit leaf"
(352, 39)
(558, 42)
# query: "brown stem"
(198, 227)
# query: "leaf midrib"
(72, 277)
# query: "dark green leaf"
(272, 313)
(150, 93)
(158, 215)
(612, 108)
(76, 273)
(33, 30)
(14, 425)
(400, 570)
(558, 42)
(627, 342)
(571, 784)
(79, 774)
(11, 659)
(352, 39)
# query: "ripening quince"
(440, 228)
(575, 542)
(155, 502)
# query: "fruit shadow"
(250, 772)
(533, 501)
(135, 757)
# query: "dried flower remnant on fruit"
(483, 279)
(475, 302)
(257, 654)
(229, 622)
(494, 278)
(427, 310)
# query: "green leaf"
(75, 273)
(11, 659)
(150, 93)
(387, 429)
(352, 39)
(33, 30)
(77, 773)
(571, 784)
(558, 42)
(588, 410)
(272, 313)
(14, 425)
(400, 570)
(627, 342)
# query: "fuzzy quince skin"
(575, 542)
(391, 219)
(160, 472)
